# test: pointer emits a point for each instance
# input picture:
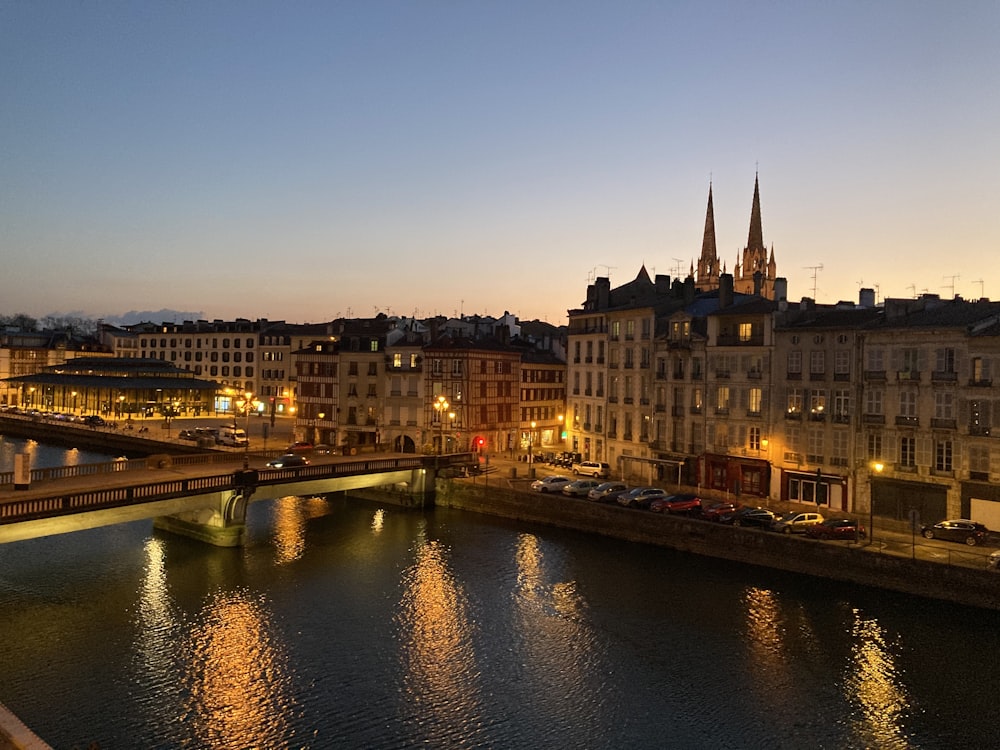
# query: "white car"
(554, 483)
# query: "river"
(347, 624)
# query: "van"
(592, 469)
(232, 436)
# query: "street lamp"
(878, 466)
(560, 435)
(531, 440)
(246, 405)
(74, 394)
(441, 405)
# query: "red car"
(836, 528)
(685, 503)
(713, 511)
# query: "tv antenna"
(913, 290)
(678, 269)
(980, 282)
(952, 286)
(607, 269)
(815, 270)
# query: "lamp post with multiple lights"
(441, 406)
(246, 405)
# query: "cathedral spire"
(708, 249)
(755, 242)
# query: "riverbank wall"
(841, 561)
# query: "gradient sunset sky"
(302, 161)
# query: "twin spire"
(754, 273)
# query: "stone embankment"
(859, 564)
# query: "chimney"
(603, 289)
(725, 290)
(866, 298)
(781, 290)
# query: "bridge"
(198, 496)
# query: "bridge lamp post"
(531, 442)
(441, 405)
(878, 466)
(246, 405)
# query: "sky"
(303, 161)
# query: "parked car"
(553, 483)
(796, 522)
(300, 446)
(592, 469)
(94, 420)
(958, 530)
(714, 511)
(993, 562)
(640, 497)
(606, 492)
(580, 488)
(837, 528)
(287, 461)
(187, 435)
(759, 517)
(683, 503)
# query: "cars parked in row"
(957, 530)
(606, 492)
(715, 511)
(580, 488)
(682, 503)
(837, 528)
(553, 483)
(759, 517)
(640, 497)
(796, 522)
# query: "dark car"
(288, 461)
(94, 421)
(683, 503)
(760, 517)
(958, 530)
(714, 511)
(187, 435)
(640, 497)
(301, 446)
(607, 492)
(837, 528)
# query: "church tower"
(755, 272)
(708, 264)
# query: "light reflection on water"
(345, 624)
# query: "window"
(980, 370)
(911, 358)
(979, 462)
(817, 402)
(944, 405)
(942, 455)
(842, 362)
(745, 332)
(873, 401)
(839, 450)
(944, 360)
(874, 446)
(842, 404)
(755, 398)
(795, 400)
(876, 360)
(979, 417)
(397, 359)
(816, 440)
(753, 438)
(907, 451)
(817, 362)
(908, 403)
(794, 362)
(722, 399)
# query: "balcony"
(586, 426)
(600, 360)
(980, 383)
(979, 430)
(794, 415)
(628, 400)
(735, 340)
(938, 423)
(612, 399)
(660, 408)
(754, 374)
(944, 377)
(814, 376)
(842, 376)
(754, 414)
(875, 376)
(908, 376)
(793, 375)
(588, 360)
(598, 428)
(722, 411)
(644, 401)
(817, 416)
(906, 421)
(695, 409)
(660, 375)
(873, 418)
(677, 411)
(842, 418)
(722, 374)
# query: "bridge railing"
(60, 504)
